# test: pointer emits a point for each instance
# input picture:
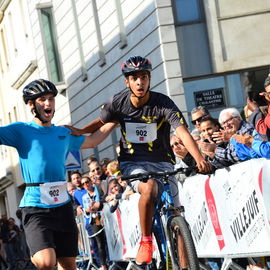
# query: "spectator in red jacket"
(261, 122)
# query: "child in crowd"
(113, 168)
(112, 172)
(117, 192)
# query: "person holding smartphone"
(209, 128)
(258, 119)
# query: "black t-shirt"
(145, 130)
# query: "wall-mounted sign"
(212, 98)
(73, 160)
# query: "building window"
(4, 47)
(192, 38)
(23, 18)
(188, 11)
(12, 33)
(50, 42)
(9, 118)
(15, 114)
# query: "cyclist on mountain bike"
(47, 213)
(145, 118)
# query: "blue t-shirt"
(42, 152)
(77, 195)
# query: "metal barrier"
(84, 246)
(85, 249)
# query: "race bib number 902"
(141, 132)
(53, 193)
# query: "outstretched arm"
(89, 128)
(193, 149)
(98, 136)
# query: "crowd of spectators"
(13, 246)
(229, 139)
(89, 192)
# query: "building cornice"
(3, 6)
(25, 74)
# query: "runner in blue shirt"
(48, 218)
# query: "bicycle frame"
(162, 217)
(168, 220)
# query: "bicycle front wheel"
(183, 251)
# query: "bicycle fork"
(166, 225)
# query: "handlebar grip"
(188, 171)
(132, 176)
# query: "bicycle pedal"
(143, 265)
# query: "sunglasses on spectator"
(197, 120)
(228, 120)
(86, 182)
(96, 169)
(175, 144)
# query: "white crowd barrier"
(122, 228)
(229, 212)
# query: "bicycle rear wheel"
(183, 251)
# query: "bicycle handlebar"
(145, 176)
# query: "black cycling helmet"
(134, 64)
(37, 89)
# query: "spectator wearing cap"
(257, 119)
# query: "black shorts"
(51, 228)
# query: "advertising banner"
(123, 230)
(227, 211)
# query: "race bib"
(53, 193)
(141, 132)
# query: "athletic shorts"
(134, 167)
(51, 228)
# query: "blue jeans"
(11, 257)
(94, 246)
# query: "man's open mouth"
(48, 112)
(140, 90)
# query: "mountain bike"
(175, 246)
